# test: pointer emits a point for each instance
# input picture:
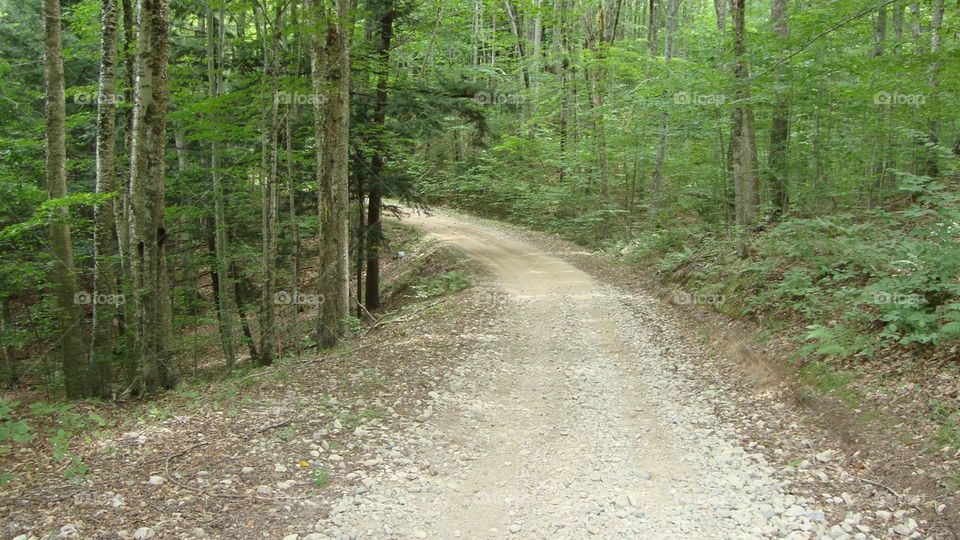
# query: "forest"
(194, 187)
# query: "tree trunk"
(656, 183)
(932, 168)
(221, 253)
(69, 342)
(294, 230)
(121, 208)
(428, 55)
(374, 227)
(104, 247)
(669, 45)
(268, 321)
(897, 27)
(360, 241)
(476, 36)
(916, 29)
(720, 7)
(333, 176)
(596, 75)
(744, 135)
(152, 325)
(653, 28)
(239, 298)
(9, 375)
(564, 74)
(780, 123)
(515, 24)
(881, 158)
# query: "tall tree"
(268, 187)
(516, 26)
(291, 113)
(780, 123)
(222, 262)
(104, 246)
(333, 174)
(932, 169)
(69, 343)
(151, 325)
(744, 134)
(653, 26)
(374, 235)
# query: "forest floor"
(540, 402)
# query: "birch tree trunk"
(69, 343)
(515, 27)
(104, 247)
(121, 208)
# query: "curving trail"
(576, 420)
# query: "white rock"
(156, 480)
(794, 511)
(902, 529)
(143, 533)
(824, 457)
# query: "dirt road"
(576, 420)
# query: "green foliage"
(948, 436)
(320, 476)
(355, 326)
(860, 283)
(825, 378)
(11, 429)
(448, 283)
(58, 422)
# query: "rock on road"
(576, 420)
